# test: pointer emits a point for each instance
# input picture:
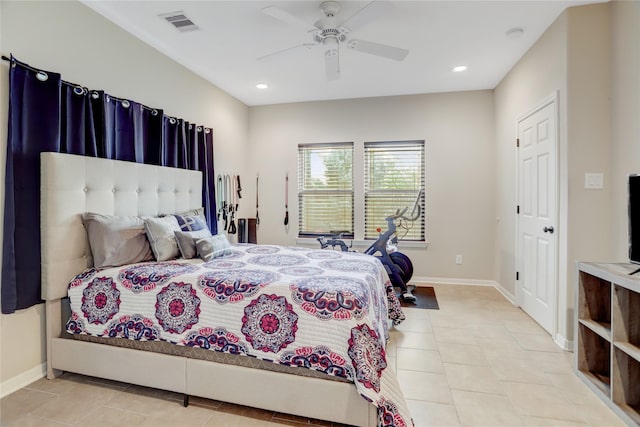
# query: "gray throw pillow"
(187, 241)
(213, 247)
(160, 232)
(116, 240)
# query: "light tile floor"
(478, 362)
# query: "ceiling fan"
(334, 31)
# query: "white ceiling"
(438, 34)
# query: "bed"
(355, 388)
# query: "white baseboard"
(426, 281)
(508, 295)
(22, 380)
(563, 343)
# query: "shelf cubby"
(595, 300)
(626, 306)
(595, 359)
(625, 391)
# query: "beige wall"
(571, 59)
(539, 74)
(625, 117)
(458, 130)
(69, 38)
(588, 145)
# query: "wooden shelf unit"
(607, 343)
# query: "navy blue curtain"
(204, 158)
(49, 114)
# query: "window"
(393, 178)
(325, 189)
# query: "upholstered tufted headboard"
(72, 185)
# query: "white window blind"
(394, 176)
(325, 189)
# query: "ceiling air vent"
(180, 21)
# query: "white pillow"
(160, 232)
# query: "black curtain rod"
(29, 67)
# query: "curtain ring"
(190, 127)
(95, 95)
(154, 112)
(172, 121)
(78, 90)
(199, 128)
(42, 76)
(207, 130)
(108, 98)
(125, 103)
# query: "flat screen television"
(634, 219)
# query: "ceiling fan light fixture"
(330, 42)
(459, 68)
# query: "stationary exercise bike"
(398, 265)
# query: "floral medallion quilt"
(318, 309)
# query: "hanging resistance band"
(219, 196)
(286, 200)
(234, 206)
(257, 215)
(226, 203)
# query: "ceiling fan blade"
(332, 62)
(378, 49)
(284, 16)
(306, 46)
(370, 12)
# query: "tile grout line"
(42, 391)
(124, 410)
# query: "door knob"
(548, 229)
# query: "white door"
(537, 217)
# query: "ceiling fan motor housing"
(328, 27)
(339, 35)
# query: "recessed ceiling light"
(514, 33)
(262, 86)
(459, 68)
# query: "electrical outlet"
(458, 259)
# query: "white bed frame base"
(75, 184)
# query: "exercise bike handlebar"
(400, 214)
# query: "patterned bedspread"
(318, 309)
